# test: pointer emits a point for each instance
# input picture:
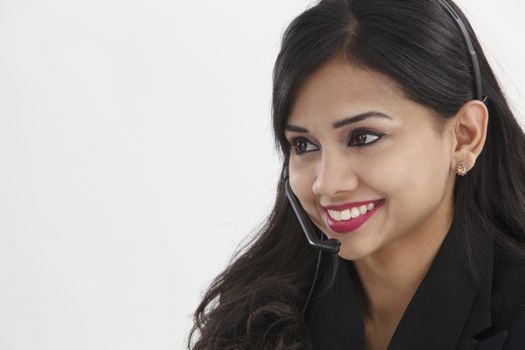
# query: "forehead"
(338, 88)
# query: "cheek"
(385, 174)
(415, 178)
(301, 180)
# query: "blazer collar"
(450, 307)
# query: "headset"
(472, 52)
(332, 245)
(328, 246)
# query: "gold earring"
(462, 168)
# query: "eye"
(301, 145)
(360, 137)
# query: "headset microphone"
(328, 246)
(331, 245)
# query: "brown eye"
(302, 145)
(362, 138)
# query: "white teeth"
(336, 215)
(350, 213)
(346, 214)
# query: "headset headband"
(472, 52)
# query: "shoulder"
(509, 269)
(508, 299)
(509, 277)
(516, 259)
(508, 287)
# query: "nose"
(335, 174)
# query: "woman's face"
(394, 154)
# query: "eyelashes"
(358, 138)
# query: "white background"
(136, 153)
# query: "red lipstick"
(345, 226)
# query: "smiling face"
(356, 138)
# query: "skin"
(412, 167)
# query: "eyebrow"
(346, 121)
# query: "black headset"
(328, 246)
(332, 245)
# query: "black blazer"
(449, 311)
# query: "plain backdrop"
(136, 154)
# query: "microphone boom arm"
(331, 245)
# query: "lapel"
(450, 309)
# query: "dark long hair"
(256, 302)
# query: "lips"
(351, 224)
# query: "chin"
(351, 254)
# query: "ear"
(470, 132)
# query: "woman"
(398, 147)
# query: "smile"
(350, 213)
(349, 219)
